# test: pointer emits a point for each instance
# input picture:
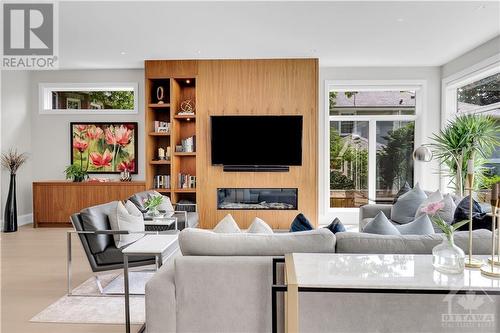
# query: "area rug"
(92, 309)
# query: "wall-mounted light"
(188, 81)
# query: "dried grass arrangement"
(12, 160)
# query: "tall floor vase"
(10, 216)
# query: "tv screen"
(257, 140)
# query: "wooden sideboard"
(55, 201)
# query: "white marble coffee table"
(353, 273)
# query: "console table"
(370, 274)
(55, 201)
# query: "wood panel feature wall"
(55, 201)
(252, 87)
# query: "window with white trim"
(88, 98)
(371, 140)
(476, 91)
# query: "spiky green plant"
(465, 137)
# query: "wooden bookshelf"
(176, 90)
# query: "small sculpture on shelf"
(164, 154)
(160, 95)
(187, 108)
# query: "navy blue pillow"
(300, 223)
(406, 187)
(336, 226)
(480, 220)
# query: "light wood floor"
(33, 275)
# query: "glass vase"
(447, 257)
(153, 212)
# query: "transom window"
(88, 98)
(371, 141)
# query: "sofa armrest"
(370, 211)
(161, 307)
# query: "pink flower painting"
(104, 147)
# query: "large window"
(476, 91)
(371, 131)
(89, 98)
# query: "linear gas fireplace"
(257, 198)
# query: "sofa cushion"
(227, 225)
(258, 226)
(300, 223)
(199, 242)
(96, 218)
(405, 208)
(480, 220)
(421, 226)
(353, 242)
(381, 225)
(113, 255)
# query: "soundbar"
(256, 168)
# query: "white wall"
(431, 118)
(474, 56)
(51, 133)
(16, 133)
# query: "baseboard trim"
(22, 219)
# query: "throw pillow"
(126, 218)
(300, 223)
(403, 211)
(166, 206)
(480, 219)
(227, 225)
(381, 225)
(336, 226)
(258, 226)
(406, 187)
(421, 226)
(433, 197)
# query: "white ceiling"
(123, 34)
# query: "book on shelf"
(186, 181)
(162, 182)
(162, 126)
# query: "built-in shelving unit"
(179, 164)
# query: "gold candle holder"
(491, 270)
(471, 262)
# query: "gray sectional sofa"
(222, 283)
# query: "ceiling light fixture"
(400, 20)
(123, 52)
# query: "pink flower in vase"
(101, 160)
(80, 145)
(94, 133)
(432, 208)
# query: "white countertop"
(152, 244)
(414, 272)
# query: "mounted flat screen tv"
(256, 140)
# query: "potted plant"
(76, 174)
(446, 257)
(466, 137)
(152, 204)
(12, 161)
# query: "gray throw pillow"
(404, 210)
(381, 225)
(258, 226)
(421, 226)
(227, 225)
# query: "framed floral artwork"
(104, 147)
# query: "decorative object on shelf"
(162, 126)
(164, 153)
(186, 181)
(125, 176)
(152, 203)
(446, 257)
(162, 182)
(470, 262)
(160, 95)
(99, 180)
(12, 161)
(422, 154)
(188, 144)
(179, 149)
(457, 142)
(75, 173)
(492, 269)
(187, 108)
(101, 147)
